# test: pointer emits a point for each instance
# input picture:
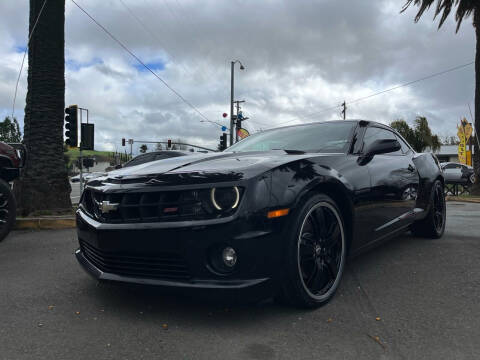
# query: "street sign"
(224, 128)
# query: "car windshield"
(332, 137)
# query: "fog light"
(229, 257)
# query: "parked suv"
(12, 159)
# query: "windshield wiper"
(292, 151)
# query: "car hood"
(212, 167)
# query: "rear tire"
(433, 226)
(316, 253)
(471, 179)
(8, 208)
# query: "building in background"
(448, 153)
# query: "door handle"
(411, 168)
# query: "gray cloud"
(301, 57)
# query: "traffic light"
(71, 124)
(223, 142)
(87, 137)
(123, 141)
(169, 144)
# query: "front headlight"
(225, 198)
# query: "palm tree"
(465, 8)
(44, 184)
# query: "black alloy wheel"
(320, 246)
(316, 255)
(471, 178)
(438, 209)
(7, 209)
(433, 225)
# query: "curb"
(462, 199)
(45, 223)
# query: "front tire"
(433, 226)
(316, 253)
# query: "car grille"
(158, 266)
(134, 207)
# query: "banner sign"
(242, 133)
(464, 132)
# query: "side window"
(403, 144)
(375, 133)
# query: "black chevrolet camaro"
(277, 214)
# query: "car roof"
(453, 162)
(357, 121)
(170, 152)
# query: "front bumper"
(256, 273)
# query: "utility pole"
(238, 118)
(344, 111)
(232, 116)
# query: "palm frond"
(464, 10)
(444, 7)
(423, 4)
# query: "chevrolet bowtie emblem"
(106, 206)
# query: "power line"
(153, 35)
(412, 82)
(24, 54)
(141, 62)
(382, 92)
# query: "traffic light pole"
(81, 159)
(231, 103)
(80, 147)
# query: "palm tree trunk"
(476, 158)
(44, 184)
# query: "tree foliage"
(143, 148)
(10, 131)
(420, 137)
(464, 8)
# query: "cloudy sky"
(302, 58)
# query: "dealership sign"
(464, 132)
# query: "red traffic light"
(169, 143)
(225, 115)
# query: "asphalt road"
(424, 292)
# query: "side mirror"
(118, 167)
(383, 146)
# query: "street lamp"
(232, 128)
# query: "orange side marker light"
(277, 213)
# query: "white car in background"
(87, 176)
(455, 173)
